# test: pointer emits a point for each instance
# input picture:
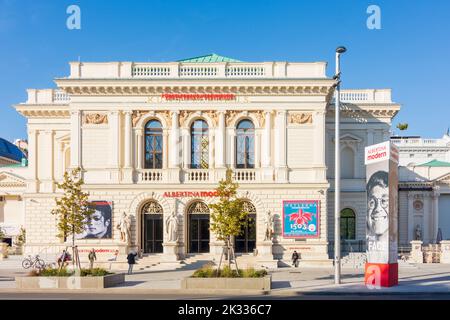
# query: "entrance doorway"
(152, 222)
(246, 241)
(198, 227)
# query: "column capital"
(139, 131)
(127, 112)
(174, 112)
(113, 112)
(75, 112)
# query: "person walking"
(92, 257)
(131, 261)
(295, 259)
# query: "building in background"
(156, 138)
(12, 187)
(22, 145)
(424, 189)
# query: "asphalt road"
(302, 296)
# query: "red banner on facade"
(187, 194)
(198, 96)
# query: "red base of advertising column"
(381, 274)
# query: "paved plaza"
(414, 281)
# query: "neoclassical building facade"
(156, 138)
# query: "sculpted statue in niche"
(172, 227)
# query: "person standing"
(295, 259)
(92, 257)
(131, 261)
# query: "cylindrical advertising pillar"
(382, 214)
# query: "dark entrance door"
(153, 233)
(246, 242)
(198, 233)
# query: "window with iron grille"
(245, 145)
(199, 145)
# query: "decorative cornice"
(158, 90)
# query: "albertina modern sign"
(382, 215)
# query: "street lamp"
(337, 172)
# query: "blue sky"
(410, 54)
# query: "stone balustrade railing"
(170, 70)
(366, 96)
(47, 96)
(418, 142)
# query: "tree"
(21, 238)
(228, 215)
(402, 126)
(73, 210)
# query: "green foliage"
(95, 272)
(402, 126)
(208, 271)
(228, 215)
(72, 210)
(52, 272)
(49, 272)
(2, 234)
(21, 238)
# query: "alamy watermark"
(74, 20)
(374, 20)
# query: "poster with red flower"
(301, 219)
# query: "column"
(47, 169)
(267, 143)
(435, 227)
(220, 141)
(410, 217)
(233, 149)
(257, 149)
(319, 133)
(186, 149)
(114, 138)
(280, 146)
(370, 139)
(32, 158)
(174, 156)
(165, 149)
(127, 142)
(75, 139)
(139, 143)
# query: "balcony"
(198, 176)
(246, 175)
(47, 96)
(366, 96)
(152, 176)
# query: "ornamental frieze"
(95, 118)
(300, 118)
(137, 115)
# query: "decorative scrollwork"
(95, 118)
(152, 207)
(300, 118)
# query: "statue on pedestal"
(172, 227)
(125, 228)
(418, 233)
(269, 224)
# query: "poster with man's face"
(100, 224)
(381, 187)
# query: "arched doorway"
(246, 241)
(198, 227)
(152, 224)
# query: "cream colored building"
(271, 122)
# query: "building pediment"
(444, 179)
(10, 180)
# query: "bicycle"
(33, 262)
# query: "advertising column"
(382, 214)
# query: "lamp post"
(337, 172)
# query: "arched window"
(198, 227)
(199, 145)
(348, 224)
(347, 163)
(245, 145)
(153, 145)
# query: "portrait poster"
(100, 224)
(382, 201)
(301, 219)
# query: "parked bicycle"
(34, 262)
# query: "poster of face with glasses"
(382, 218)
(99, 225)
